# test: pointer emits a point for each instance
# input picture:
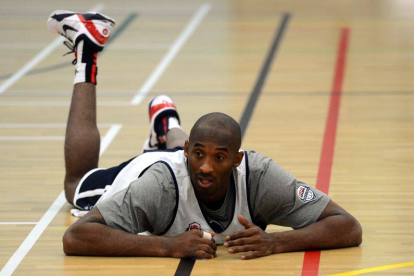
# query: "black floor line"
(186, 265)
(255, 94)
(64, 64)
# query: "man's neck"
(215, 205)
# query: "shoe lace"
(72, 49)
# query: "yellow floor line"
(373, 269)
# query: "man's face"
(211, 158)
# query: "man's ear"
(238, 159)
(186, 148)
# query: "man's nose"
(207, 166)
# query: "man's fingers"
(247, 225)
(202, 254)
(253, 255)
(241, 234)
(239, 242)
(206, 248)
(205, 235)
(243, 248)
(244, 222)
(211, 243)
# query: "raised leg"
(82, 141)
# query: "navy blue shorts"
(94, 184)
(97, 181)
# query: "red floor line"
(311, 259)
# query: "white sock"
(80, 67)
(173, 123)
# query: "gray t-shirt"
(276, 198)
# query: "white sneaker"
(93, 27)
(161, 108)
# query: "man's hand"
(335, 228)
(192, 244)
(253, 238)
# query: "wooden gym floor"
(335, 107)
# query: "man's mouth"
(205, 182)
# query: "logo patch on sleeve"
(306, 194)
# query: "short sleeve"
(278, 198)
(147, 204)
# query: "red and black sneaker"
(92, 27)
(163, 116)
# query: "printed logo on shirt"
(194, 225)
(306, 194)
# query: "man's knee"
(70, 185)
(176, 138)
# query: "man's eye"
(198, 153)
(220, 157)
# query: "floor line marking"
(23, 93)
(59, 103)
(109, 137)
(171, 54)
(42, 125)
(373, 269)
(255, 94)
(37, 231)
(17, 223)
(32, 138)
(38, 58)
(311, 259)
(121, 46)
(185, 266)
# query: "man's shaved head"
(218, 126)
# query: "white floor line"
(109, 137)
(37, 231)
(32, 138)
(38, 58)
(42, 125)
(118, 46)
(17, 223)
(34, 125)
(170, 55)
(59, 93)
(55, 103)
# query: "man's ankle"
(86, 68)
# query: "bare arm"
(90, 236)
(335, 228)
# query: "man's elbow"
(356, 237)
(69, 243)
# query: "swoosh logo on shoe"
(60, 17)
(67, 27)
